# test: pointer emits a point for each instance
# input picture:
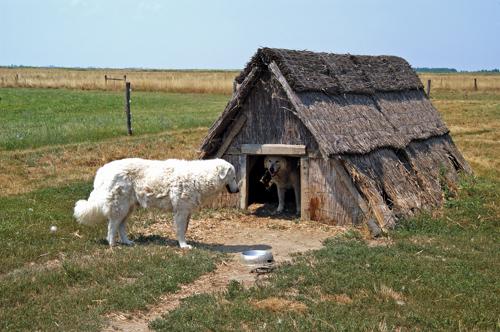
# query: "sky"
(224, 34)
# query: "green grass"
(437, 274)
(63, 281)
(38, 117)
(474, 121)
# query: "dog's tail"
(89, 212)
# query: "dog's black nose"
(271, 169)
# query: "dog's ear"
(223, 171)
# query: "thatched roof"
(337, 73)
(350, 104)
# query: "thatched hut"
(370, 145)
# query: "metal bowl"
(252, 257)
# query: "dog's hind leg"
(113, 225)
(181, 220)
(122, 230)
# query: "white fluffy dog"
(172, 185)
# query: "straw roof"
(337, 73)
(350, 104)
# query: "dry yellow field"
(462, 81)
(195, 81)
(192, 81)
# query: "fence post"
(428, 88)
(475, 84)
(127, 108)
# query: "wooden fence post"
(105, 82)
(127, 107)
(428, 88)
(475, 84)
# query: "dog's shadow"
(145, 240)
(267, 210)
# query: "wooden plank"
(288, 89)
(297, 104)
(304, 189)
(274, 149)
(237, 125)
(244, 182)
(232, 106)
(349, 184)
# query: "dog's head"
(227, 175)
(274, 163)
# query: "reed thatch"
(369, 114)
(351, 104)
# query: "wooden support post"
(428, 88)
(244, 170)
(236, 127)
(475, 84)
(127, 107)
(106, 82)
(304, 189)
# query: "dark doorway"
(258, 193)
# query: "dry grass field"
(202, 81)
(199, 81)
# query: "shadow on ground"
(145, 240)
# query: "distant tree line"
(452, 70)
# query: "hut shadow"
(145, 240)
(268, 210)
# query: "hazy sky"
(464, 34)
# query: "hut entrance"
(252, 162)
(259, 192)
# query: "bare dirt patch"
(231, 232)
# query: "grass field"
(436, 272)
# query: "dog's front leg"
(181, 220)
(281, 199)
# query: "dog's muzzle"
(230, 191)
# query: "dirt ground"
(230, 232)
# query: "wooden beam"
(304, 189)
(297, 105)
(237, 125)
(244, 170)
(351, 187)
(284, 84)
(274, 149)
(232, 106)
